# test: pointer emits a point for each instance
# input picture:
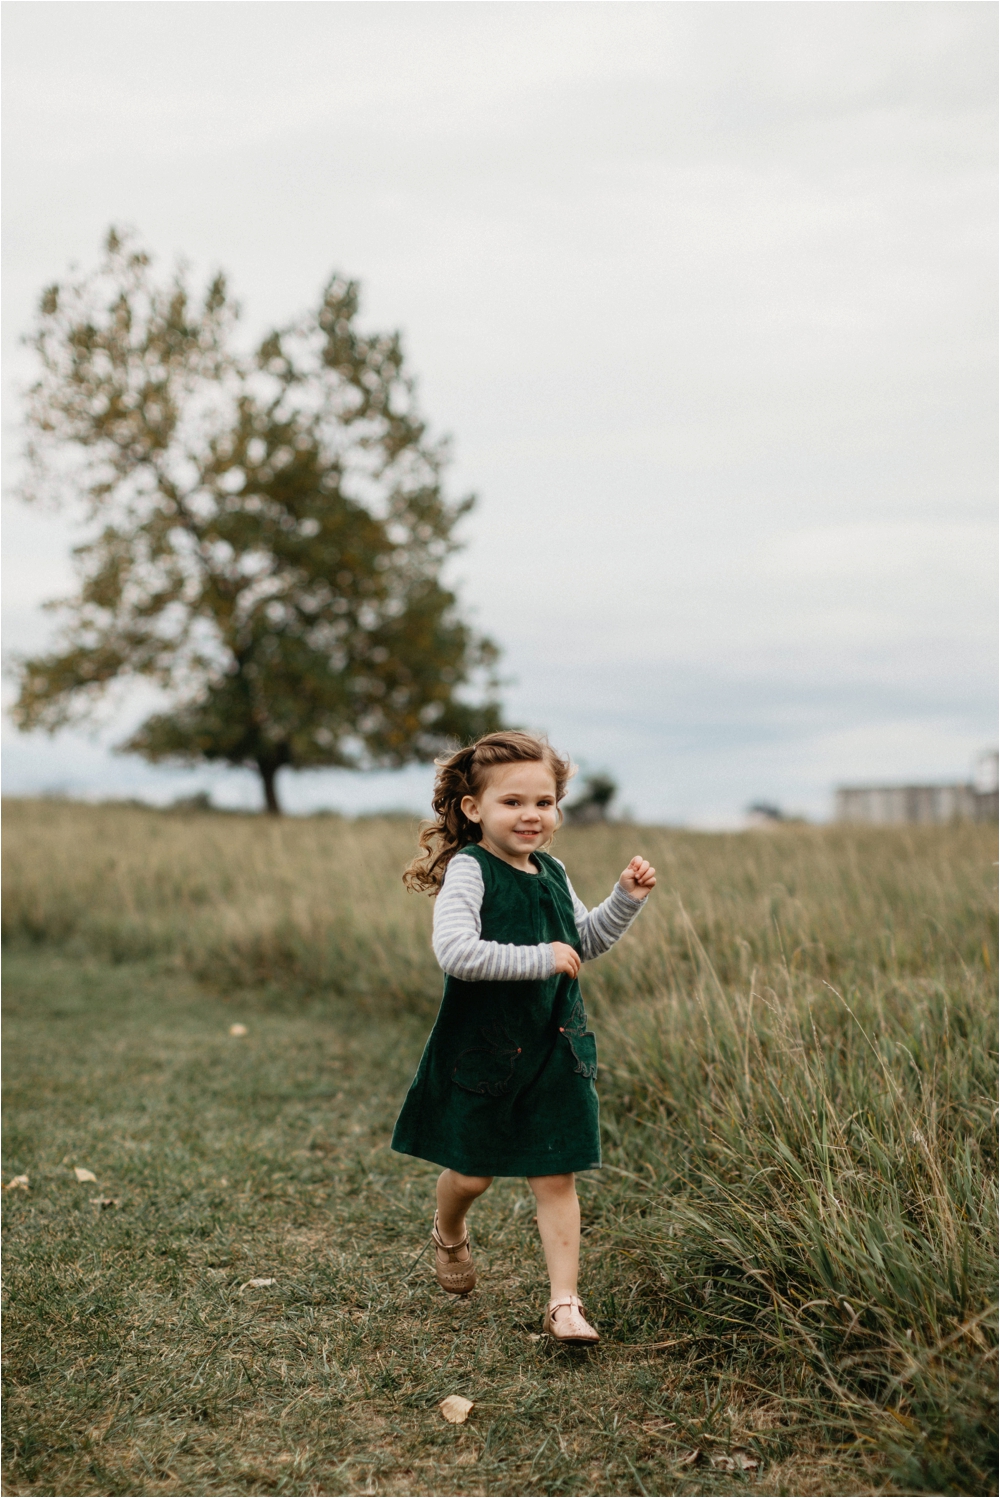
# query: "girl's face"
(517, 810)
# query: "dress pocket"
(581, 1041)
(488, 1068)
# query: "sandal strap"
(567, 1300)
(439, 1241)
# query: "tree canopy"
(594, 801)
(269, 530)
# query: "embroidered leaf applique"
(482, 1067)
(575, 1032)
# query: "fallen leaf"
(237, 1029)
(737, 1461)
(84, 1175)
(284, 1456)
(692, 1459)
(17, 1183)
(104, 1201)
(455, 1409)
(257, 1284)
(534, 1336)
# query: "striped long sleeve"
(462, 953)
(601, 927)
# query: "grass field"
(791, 1252)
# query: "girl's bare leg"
(455, 1195)
(559, 1226)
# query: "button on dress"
(506, 1083)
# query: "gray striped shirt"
(461, 951)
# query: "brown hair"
(465, 773)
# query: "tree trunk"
(269, 775)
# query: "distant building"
(881, 805)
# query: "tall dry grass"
(236, 899)
(244, 899)
(799, 1039)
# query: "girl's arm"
(457, 941)
(601, 927)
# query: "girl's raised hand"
(567, 959)
(638, 879)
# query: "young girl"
(505, 1086)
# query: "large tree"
(268, 530)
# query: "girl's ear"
(470, 809)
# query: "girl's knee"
(469, 1185)
(545, 1187)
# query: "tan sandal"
(454, 1274)
(573, 1325)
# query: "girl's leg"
(559, 1226)
(455, 1195)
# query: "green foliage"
(272, 530)
(593, 801)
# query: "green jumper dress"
(505, 1086)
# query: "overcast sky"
(704, 294)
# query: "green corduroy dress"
(505, 1086)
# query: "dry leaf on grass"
(84, 1175)
(739, 1460)
(101, 1202)
(534, 1336)
(692, 1459)
(17, 1183)
(455, 1409)
(257, 1284)
(237, 1029)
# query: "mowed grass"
(798, 1056)
(141, 1360)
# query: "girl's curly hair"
(465, 773)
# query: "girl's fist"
(567, 959)
(638, 879)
